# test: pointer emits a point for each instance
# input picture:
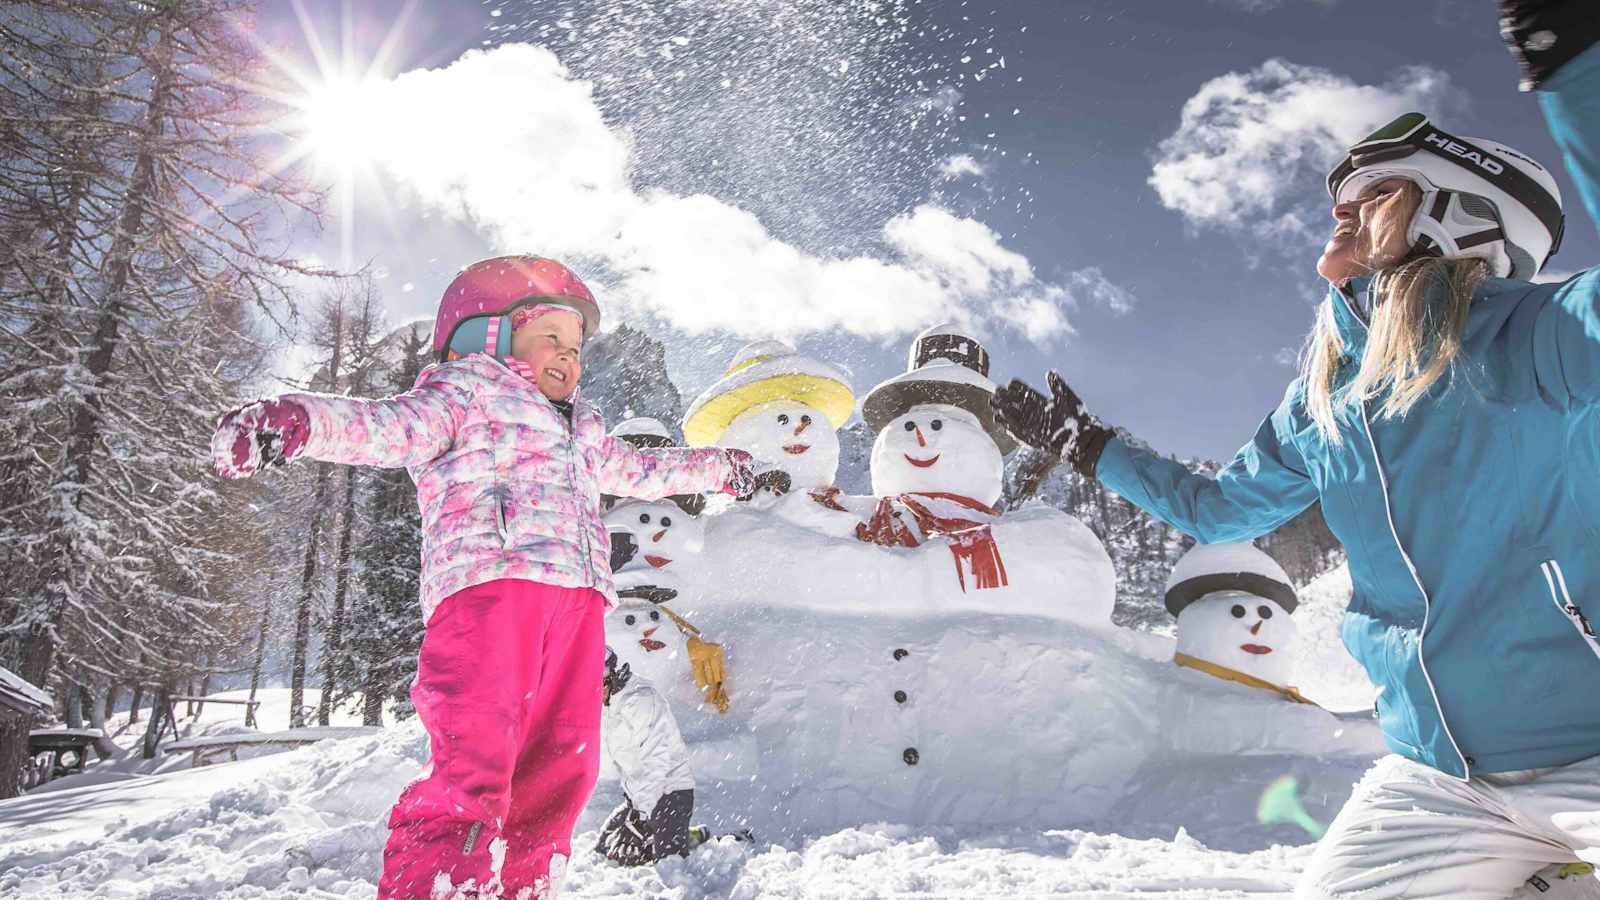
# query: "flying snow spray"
(1280, 802)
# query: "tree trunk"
(13, 753)
(261, 652)
(158, 719)
(333, 643)
(98, 713)
(372, 703)
(302, 610)
(110, 702)
(133, 706)
(72, 704)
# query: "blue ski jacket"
(1472, 524)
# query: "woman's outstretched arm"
(1264, 486)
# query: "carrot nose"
(1256, 628)
(921, 441)
(803, 426)
(651, 631)
(658, 535)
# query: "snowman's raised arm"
(627, 471)
(1265, 485)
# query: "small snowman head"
(1234, 606)
(660, 533)
(1242, 631)
(789, 436)
(645, 638)
(937, 448)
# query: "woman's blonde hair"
(1414, 333)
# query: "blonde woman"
(1445, 418)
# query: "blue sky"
(1172, 306)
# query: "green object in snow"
(1280, 802)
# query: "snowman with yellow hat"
(782, 407)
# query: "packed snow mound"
(1324, 670)
(982, 721)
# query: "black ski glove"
(1546, 34)
(1058, 424)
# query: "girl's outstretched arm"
(627, 471)
(405, 430)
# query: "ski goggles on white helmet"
(1480, 199)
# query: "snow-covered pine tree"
(355, 309)
(133, 189)
(385, 628)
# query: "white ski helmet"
(1480, 199)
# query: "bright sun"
(337, 124)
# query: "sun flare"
(336, 124)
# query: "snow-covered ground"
(309, 823)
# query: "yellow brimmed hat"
(761, 373)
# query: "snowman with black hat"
(1234, 607)
(937, 471)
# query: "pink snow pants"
(508, 688)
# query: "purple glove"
(742, 482)
(264, 433)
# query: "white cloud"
(507, 140)
(1252, 148)
(959, 165)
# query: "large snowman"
(1234, 604)
(782, 407)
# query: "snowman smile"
(921, 463)
(657, 561)
(796, 449)
(1257, 649)
(650, 644)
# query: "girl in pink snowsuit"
(509, 463)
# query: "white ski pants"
(1412, 831)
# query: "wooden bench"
(54, 752)
(202, 750)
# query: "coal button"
(911, 756)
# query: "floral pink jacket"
(507, 488)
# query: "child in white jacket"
(640, 735)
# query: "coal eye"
(666, 521)
(1238, 611)
(644, 518)
(631, 620)
(805, 420)
(1264, 612)
(936, 424)
(783, 419)
(655, 617)
(911, 426)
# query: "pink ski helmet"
(475, 312)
